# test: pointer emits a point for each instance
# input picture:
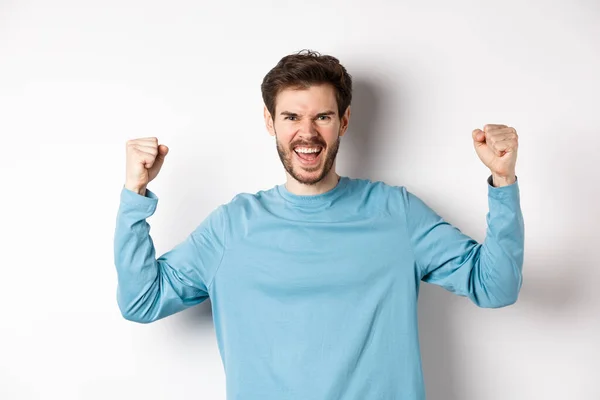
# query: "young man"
(314, 282)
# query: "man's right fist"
(145, 158)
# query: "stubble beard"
(286, 159)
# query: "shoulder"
(373, 186)
(243, 205)
(246, 201)
(375, 193)
(395, 201)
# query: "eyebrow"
(291, 114)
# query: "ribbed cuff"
(131, 198)
(502, 192)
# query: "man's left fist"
(496, 146)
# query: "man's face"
(307, 129)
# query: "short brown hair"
(304, 69)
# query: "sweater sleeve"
(151, 288)
(489, 273)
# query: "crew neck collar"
(313, 200)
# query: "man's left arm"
(490, 274)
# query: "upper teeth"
(307, 149)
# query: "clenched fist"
(145, 158)
(497, 145)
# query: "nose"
(308, 127)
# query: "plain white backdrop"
(77, 79)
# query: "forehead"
(314, 99)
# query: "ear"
(345, 121)
(268, 121)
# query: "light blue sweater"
(315, 297)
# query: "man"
(314, 282)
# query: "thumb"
(162, 150)
(478, 136)
(160, 159)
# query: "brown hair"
(304, 69)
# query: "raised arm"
(150, 288)
(488, 273)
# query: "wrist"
(141, 190)
(503, 180)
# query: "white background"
(79, 78)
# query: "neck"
(325, 185)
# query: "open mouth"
(308, 154)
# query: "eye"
(289, 117)
(324, 116)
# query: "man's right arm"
(151, 288)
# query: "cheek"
(284, 131)
(330, 134)
(284, 139)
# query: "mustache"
(308, 144)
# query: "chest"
(302, 259)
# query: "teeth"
(307, 149)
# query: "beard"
(327, 160)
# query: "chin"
(308, 175)
(308, 178)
